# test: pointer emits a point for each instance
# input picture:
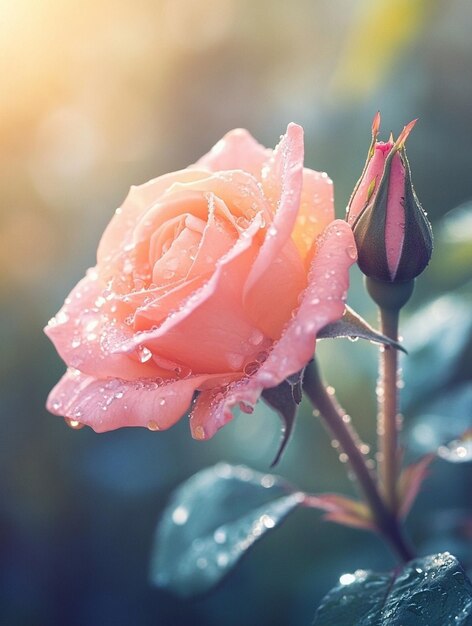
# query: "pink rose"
(214, 279)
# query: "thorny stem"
(332, 414)
(388, 422)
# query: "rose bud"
(393, 235)
(210, 286)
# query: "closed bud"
(393, 234)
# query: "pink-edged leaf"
(410, 482)
(342, 510)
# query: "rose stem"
(388, 424)
(332, 414)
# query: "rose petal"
(213, 316)
(281, 283)
(217, 240)
(240, 192)
(316, 210)
(236, 150)
(109, 404)
(119, 232)
(84, 333)
(212, 408)
(322, 303)
(282, 183)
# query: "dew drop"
(162, 401)
(74, 424)
(144, 354)
(222, 559)
(347, 579)
(152, 425)
(199, 432)
(219, 535)
(351, 252)
(457, 451)
(256, 337)
(235, 360)
(343, 457)
(268, 481)
(246, 407)
(251, 368)
(242, 222)
(180, 515)
(267, 521)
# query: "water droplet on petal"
(351, 252)
(256, 337)
(152, 425)
(74, 424)
(144, 354)
(251, 368)
(235, 360)
(199, 432)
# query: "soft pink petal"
(395, 217)
(119, 232)
(270, 305)
(240, 192)
(372, 173)
(322, 303)
(213, 408)
(316, 210)
(113, 403)
(213, 317)
(282, 181)
(85, 332)
(236, 150)
(219, 236)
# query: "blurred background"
(98, 95)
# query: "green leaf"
(211, 522)
(429, 591)
(353, 326)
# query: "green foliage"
(211, 522)
(430, 591)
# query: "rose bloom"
(211, 284)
